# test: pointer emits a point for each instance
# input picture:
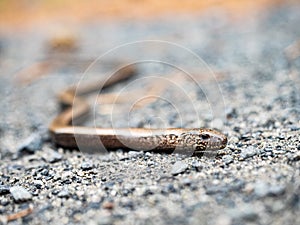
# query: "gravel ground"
(254, 180)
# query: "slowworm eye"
(205, 136)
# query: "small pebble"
(31, 144)
(20, 194)
(213, 189)
(86, 166)
(227, 159)
(53, 157)
(223, 220)
(248, 152)
(38, 183)
(132, 155)
(231, 113)
(104, 220)
(179, 167)
(261, 189)
(168, 189)
(197, 165)
(293, 156)
(64, 193)
(187, 182)
(277, 190)
(4, 189)
(244, 213)
(135, 154)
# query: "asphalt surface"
(251, 95)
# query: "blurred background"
(22, 13)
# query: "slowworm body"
(88, 138)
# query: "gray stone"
(4, 189)
(277, 190)
(149, 154)
(20, 194)
(104, 220)
(227, 159)
(261, 189)
(179, 167)
(31, 144)
(135, 154)
(187, 181)
(38, 183)
(86, 166)
(132, 155)
(197, 165)
(293, 156)
(213, 189)
(248, 152)
(64, 193)
(53, 157)
(246, 213)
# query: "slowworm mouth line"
(162, 140)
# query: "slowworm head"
(213, 139)
(204, 139)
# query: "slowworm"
(91, 139)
